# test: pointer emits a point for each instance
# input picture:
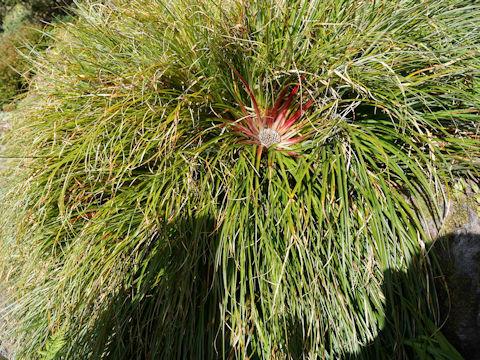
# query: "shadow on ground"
(458, 289)
(169, 309)
(166, 307)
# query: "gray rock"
(461, 268)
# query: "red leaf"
(292, 141)
(254, 101)
(248, 120)
(284, 107)
(295, 117)
(243, 130)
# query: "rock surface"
(461, 265)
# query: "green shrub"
(162, 220)
(15, 68)
(21, 27)
(46, 10)
(14, 16)
(35, 11)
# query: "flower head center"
(268, 137)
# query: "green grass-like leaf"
(150, 228)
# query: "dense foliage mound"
(242, 179)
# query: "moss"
(459, 215)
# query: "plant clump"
(246, 179)
(278, 124)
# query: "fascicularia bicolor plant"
(150, 226)
(278, 126)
